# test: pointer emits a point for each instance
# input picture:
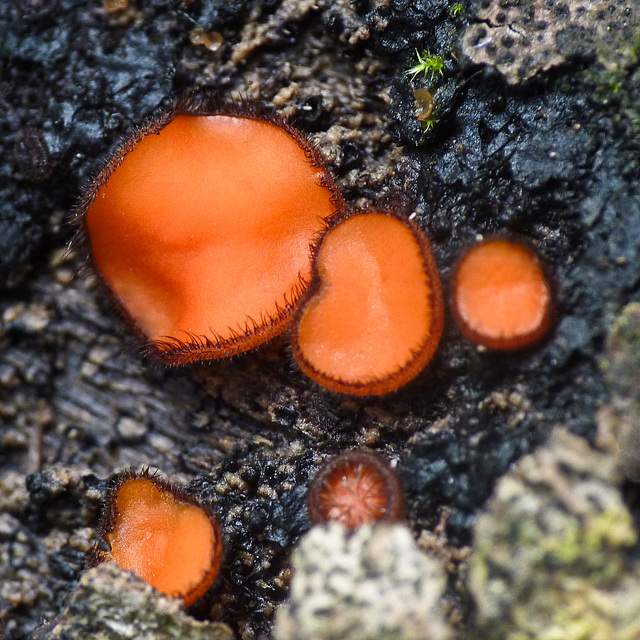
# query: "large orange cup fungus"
(161, 534)
(501, 298)
(373, 316)
(202, 224)
(355, 488)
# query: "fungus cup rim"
(394, 510)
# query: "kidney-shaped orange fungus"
(374, 315)
(500, 296)
(202, 231)
(174, 545)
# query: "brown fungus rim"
(394, 510)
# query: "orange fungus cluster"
(161, 534)
(216, 229)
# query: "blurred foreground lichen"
(619, 420)
(551, 557)
(113, 604)
(371, 584)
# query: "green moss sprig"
(428, 63)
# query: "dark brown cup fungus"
(354, 488)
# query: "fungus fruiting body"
(201, 226)
(157, 531)
(355, 488)
(424, 104)
(373, 316)
(501, 297)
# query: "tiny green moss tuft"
(428, 124)
(429, 64)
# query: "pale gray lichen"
(372, 584)
(523, 37)
(619, 420)
(551, 558)
(113, 604)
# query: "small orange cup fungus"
(373, 316)
(501, 298)
(355, 488)
(161, 534)
(201, 225)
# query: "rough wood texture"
(555, 160)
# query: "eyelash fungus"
(501, 297)
(201, 226)
(159, 532)
(374, 313)
(354, 488)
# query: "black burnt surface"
(68, 86)
(555, 161)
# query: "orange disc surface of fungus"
(374, 313)
(201, 225)
(167, 540)
(501, 297)
(355, 488)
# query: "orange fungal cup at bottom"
(354, 488)
(163, 535)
